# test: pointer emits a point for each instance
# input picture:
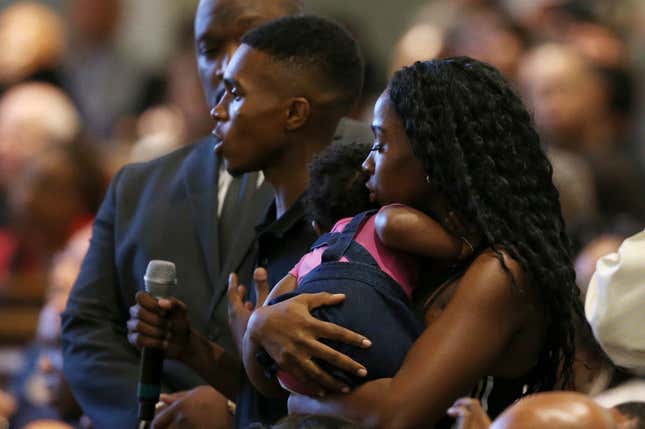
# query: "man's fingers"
(457, 411)
(141, 327)
(261, 280)
(232, 292)
(141, 341)
(233, 280)
(150, 317)
(465, 402)
(147, 301)
(165, 417)
(169, 398)
(241, 291)
(172, 304)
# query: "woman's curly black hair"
(481, 151)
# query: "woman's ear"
(298, 113)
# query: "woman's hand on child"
(160, 324)
(289, 334)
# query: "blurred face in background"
(95, 21)
(33, 116)
(45, 199)
(485, 34)
(219, 25)
(32, 37)
(565, 94)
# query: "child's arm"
(409, 230)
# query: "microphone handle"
(149, 386)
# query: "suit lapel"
(201, 180)
(252, 209)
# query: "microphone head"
(160, 278)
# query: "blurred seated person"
(32, 37)
(33, 116)
(161, 129)
(551, 410)
(488, 34)
(53, 196)
(7, 408)
(104, 83)
(42, 395)
(578, 108)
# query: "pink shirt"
(402, 267)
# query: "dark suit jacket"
(163, 209)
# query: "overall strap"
(354, 225)
(324, 240)
(345, 240)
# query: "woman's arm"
(290, 335)
(265, 384)
(409, 230)
(464, 344)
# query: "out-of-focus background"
(88, 85)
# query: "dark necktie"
(227, 220)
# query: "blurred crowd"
(73, 110)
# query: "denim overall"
(375, 305)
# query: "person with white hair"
(32, 36)
(33, 116)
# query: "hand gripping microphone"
(160, 280)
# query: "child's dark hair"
(337, 184)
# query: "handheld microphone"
(160, 280)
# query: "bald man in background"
(172, 208)
(548, 410)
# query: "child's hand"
(469, 414)
(469, 236)
(239, 310)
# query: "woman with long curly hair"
(454, 140)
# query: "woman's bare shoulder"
(495, 278)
